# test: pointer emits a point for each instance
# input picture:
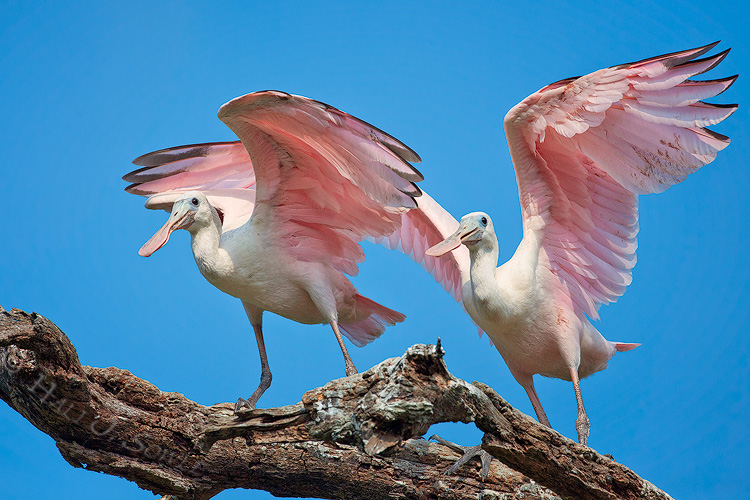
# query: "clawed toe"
(468, 452)
(243, 404)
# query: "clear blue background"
(87, 88)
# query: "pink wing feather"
(326, 178)
(422, 228)
(222, 170)
(584, 148)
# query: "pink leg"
(350, 368)
(582, 422)
(540, 415)
(255, 316)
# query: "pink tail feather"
(622, 346)
(377, 318)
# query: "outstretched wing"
(422, 228)
(222, 170)
(584, 148)
(323, 179)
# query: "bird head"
(475, 231)
(189, 211)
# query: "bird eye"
(194, 201)
(484, 221)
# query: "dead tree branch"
(355, 438)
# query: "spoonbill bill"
(583, 149)
(275, 220)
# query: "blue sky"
(89, 87)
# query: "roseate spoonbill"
(275, 219)
(583, 149)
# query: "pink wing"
(584, 148)
(322, 178)
(423, 228)
(222, 170)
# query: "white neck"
(489, 298)
(205, 241)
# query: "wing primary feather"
(584, 149)
(679, 57)
(713, 134)
(175, 153)
(714, 61)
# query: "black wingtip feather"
(175, 153)
(133, 189)
(417, 194)
(418, 173)
(713, 105)
(415, 176)
(730, 79)
(397, 147)
(716, 135)
(131, 176)
(715, 58)
(674, 58)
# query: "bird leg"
(582, 422)
(531, 392)
(468, 452)
(350, 368)
(255, 317)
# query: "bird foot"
(351, 370)
(469, 452)
(243, 406)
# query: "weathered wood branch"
(357, 437)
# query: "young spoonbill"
(583, 150)
(275, 220)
